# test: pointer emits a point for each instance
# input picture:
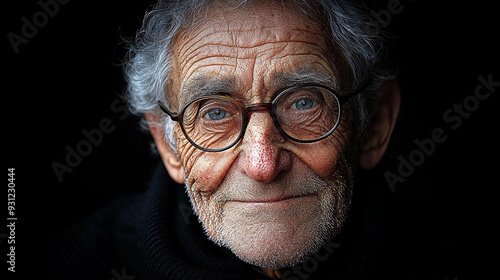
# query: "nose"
(262, 157)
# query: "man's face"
(268, 199)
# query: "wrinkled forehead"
(270, 36)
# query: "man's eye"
(304, 104)
(216, 114)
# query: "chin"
(272, 248)
(280, 234)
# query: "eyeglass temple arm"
(357, 91)
(174, 116)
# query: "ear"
(384, 118)
(168, 155)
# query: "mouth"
(280, 199)
(272, 209)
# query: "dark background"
(68, 78)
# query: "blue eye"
(216, 114)
(304, 104)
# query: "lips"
(280, 209)
(273, 199)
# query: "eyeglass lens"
(305, 114)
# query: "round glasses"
(305, 114)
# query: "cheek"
(204, 171)
(323, 163)
(324, 156)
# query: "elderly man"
(263, 111)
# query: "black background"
(66, 78)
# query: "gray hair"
(148, 63)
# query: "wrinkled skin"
(271, 201)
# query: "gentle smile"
(273, 200)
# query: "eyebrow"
(303, 76)
(206, 85)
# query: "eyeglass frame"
(261, 107)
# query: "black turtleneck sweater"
(155, 235)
